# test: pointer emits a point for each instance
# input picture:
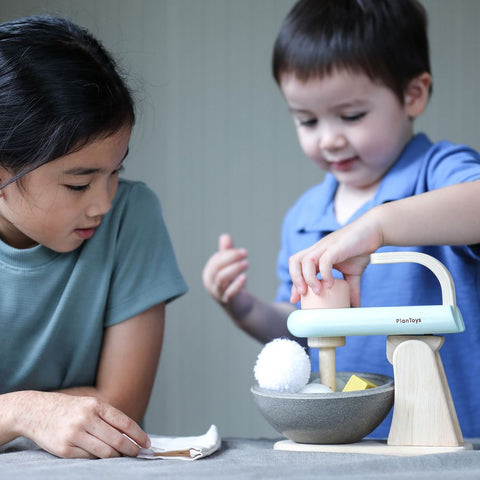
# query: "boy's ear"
(417, 94)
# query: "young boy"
(355, 75)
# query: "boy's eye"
(307, 122)
(353, 117)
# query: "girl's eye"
(78, 188)
(120, 169)
(353, 117)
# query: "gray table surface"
(242, 459)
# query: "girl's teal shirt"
(54, 307)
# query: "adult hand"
(224, 273)
(78, 427)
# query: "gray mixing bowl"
(327, 418)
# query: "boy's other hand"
(224, 273)
(347, 250)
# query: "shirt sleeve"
(145, 271)
(450, 164)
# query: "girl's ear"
(417, 94)
(4, 176)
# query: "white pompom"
(315, 388)
(283, 366)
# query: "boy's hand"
(223, 275)
(347, 250)
(69, 426)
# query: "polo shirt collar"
(399, 182)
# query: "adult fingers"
(106, 441)
(98, 443)
(121, 423)
(70, 451)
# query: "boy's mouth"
(343, 165)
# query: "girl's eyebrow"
(91, 171)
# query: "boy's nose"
(330, 139)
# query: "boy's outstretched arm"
(224, 278)
(447, 216)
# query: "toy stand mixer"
(424, 418)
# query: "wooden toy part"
(424, 418)
(356, 383)
(423, 411)
(438, 268)
(338, 296)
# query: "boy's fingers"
(232, 290)
(227, 257)
(221, 260)
(354, 284)
(325, 268)
(295, 270)
(294, 295)
(225, 241)
(310, 269)
(227, 275)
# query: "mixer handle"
(439, 270)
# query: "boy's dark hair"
(59, 90)
(385, 39)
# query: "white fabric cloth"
(182, 448)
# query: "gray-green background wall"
(215, 141)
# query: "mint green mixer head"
(401, 320)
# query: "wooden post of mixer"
(423, 411)
(338, 296)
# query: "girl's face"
(348, 125)
(61, 203)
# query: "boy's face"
(348, 125)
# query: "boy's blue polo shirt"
(423, 166)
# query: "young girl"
(86, 264)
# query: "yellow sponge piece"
(358, 383)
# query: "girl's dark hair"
(385, 39)
(59, 91)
